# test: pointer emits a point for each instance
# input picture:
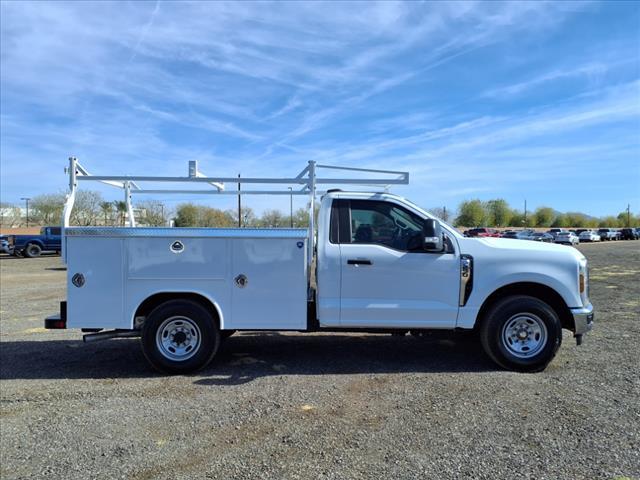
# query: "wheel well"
(537, 290)
(146, 307)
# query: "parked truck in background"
(31, 246)
(382, 265)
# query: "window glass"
(55, 230)
(385, 223)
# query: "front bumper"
(582, 320)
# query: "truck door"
(388, 280)
(52, 238)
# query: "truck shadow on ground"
(247, 356)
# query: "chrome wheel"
(178, 338)
(524, 335)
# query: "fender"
(145, 306)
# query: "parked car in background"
(607, 234)
(519, 235)
(567, 238)
(542, 237)
(555, 231)
(637, 230)
(482, 232)
(32, 246)
(629, 234)
(589, 236)
(579, 231)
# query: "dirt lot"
(319, 406)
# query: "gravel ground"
(319, 405)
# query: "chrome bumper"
(583, 321)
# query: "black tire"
(32, 250)
(530, 315)
(161, 328)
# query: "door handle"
(359, 261)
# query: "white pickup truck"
(379, 264)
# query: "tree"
(576, 219)
(498, 213)
(301, 218)
(560, 221)
(272, 218)
(628, 220)
(107, 209)
(86, 207)
(213, 217)
(608, 222)
(190, 215)
(442, 213)
(248, 217)
(153, 213)
(47, 208)
(11, 215)
(186, 215)
(471, 213)
(544, 216)
(121, 208)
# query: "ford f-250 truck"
(31, 246)
(382, 264)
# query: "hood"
(516, 247)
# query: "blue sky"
(476, 100)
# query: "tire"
(32, 250)
(180, 336)
(521, 315)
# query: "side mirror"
(433, 238)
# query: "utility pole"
(628, 215)
(291, 207)
(239, 205)
(525, 213)
(26, 199)
(444, 213)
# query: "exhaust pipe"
(96, 337)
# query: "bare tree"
(86, 208)
(273, 218)
(248, 216)
(11, 215)
(152, 213)
(47, 208)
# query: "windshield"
(448, 226)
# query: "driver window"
(384, 223)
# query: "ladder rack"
(307, 180)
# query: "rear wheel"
(180, 336)
(521, 333)
(32, 250)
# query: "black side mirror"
(433, 238)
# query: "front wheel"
(521, 333)
(180, 336)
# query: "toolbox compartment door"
(269, 288)
(96, 299)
